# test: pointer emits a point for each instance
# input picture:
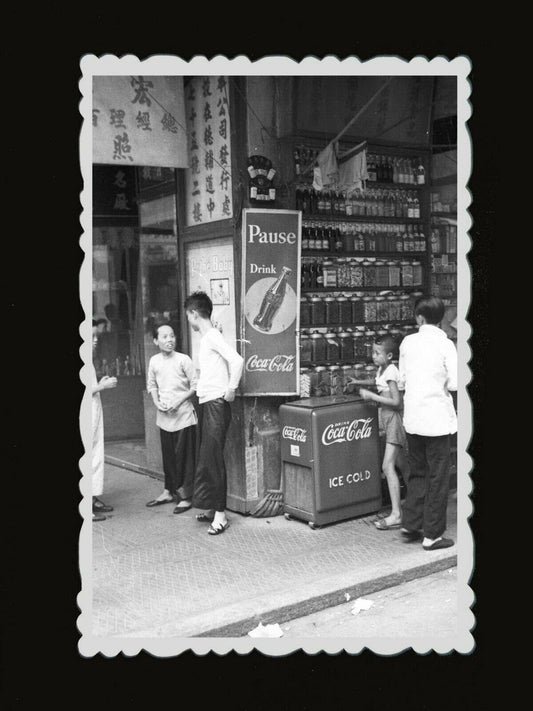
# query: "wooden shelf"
(358, 218)
(445, 180)
(354, 255)
(321, 289)
(453, 215)
(348, 324)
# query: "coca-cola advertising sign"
(298, 434)
(337, 432)
(270, 316)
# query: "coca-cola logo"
(298, 434)
(347, 431)
(277, 364)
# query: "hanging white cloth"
(353, 172)
(326, 174)
(98, 440)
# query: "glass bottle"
(332, 310)
(272, 301)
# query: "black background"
(41, 663)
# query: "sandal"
(381, 525)
(219, 529)
(205, 517)
(100, 507)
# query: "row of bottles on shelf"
(346, 272)
(329, 347)
(439, 204)
(321, 310)
(362, 237)
(333, 380)
(393, 169)
(443, 265)
(116, 367)
(380, 168)
(371, 202)
(444, 239)
(444, 285)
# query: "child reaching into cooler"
(389, 398)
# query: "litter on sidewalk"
(361, 604)
(266, 631)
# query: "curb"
(123, 464)
(237, 624)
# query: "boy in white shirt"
(220, 371)
(428, 372)
(171, 381)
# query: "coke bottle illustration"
(272, 300)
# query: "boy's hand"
(108, 381)
(230, 395)
(163, 406)
(366, 394)
(174, 404)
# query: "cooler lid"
(312, 403)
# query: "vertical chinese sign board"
(139, 120)
(270, 321)
(208, 181)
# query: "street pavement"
(157, 574)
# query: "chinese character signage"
(401, 113)
(114, 193)
(270, 319)
(208, 179)
(139, 120)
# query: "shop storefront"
(364, 247)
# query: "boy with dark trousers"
(428, 372)
(220, 371)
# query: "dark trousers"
(178, 451)
(210, 481)
(428, 485)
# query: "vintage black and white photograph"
(275, 421)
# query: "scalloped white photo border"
(390, 65)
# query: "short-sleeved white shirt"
(391, 372)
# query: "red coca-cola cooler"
(330, 459)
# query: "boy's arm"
(393, 401)
(235, 364)
(450, 363)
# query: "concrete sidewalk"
(157, 574)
